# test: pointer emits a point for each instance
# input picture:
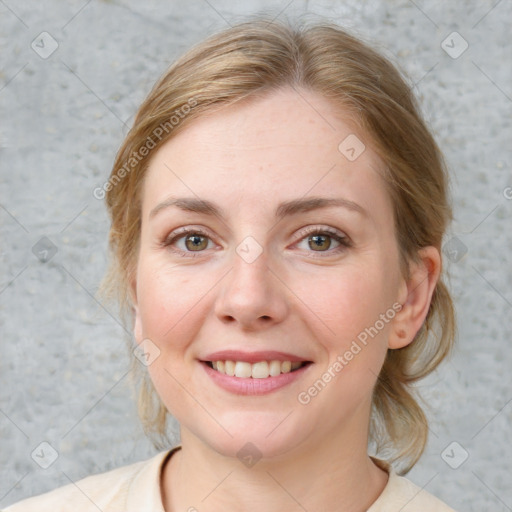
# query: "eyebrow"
(286, 208)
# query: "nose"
(252, 295)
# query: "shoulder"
(108, 491)
(402, 494)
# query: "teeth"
(242, 369)
(260, 370)
(229, 368)
(275, 368)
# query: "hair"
(257, 57)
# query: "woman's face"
(271, 277)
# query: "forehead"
(287, 144)
(285, 117)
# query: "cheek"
(168, 302)
(348, 301)
(356, 306)
(358, 347)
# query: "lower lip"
(250, 386)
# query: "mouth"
(257, 370)
(253, 373)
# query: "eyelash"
(342, 239)
(339, 237)
(180, 233)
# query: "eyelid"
(322, 229)
(185, 230)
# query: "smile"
(258, 370)
(254, 378)
(242, 372)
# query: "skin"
(247, 159)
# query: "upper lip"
(252, 357)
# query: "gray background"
(63, 370)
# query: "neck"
(324, 476)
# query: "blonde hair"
(257, 57)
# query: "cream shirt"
(136, 488)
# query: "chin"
(255, 434)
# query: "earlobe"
(415, 296)
(132, 291)
(137, 325)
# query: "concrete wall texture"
(66, 104)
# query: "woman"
(277, 216)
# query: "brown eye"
(319, 242)
(196, 242)
(188, 242)
(324, 240)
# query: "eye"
(323, 239)
(191, 242)
(188, 240)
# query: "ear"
(415, 295)
(137, 324)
